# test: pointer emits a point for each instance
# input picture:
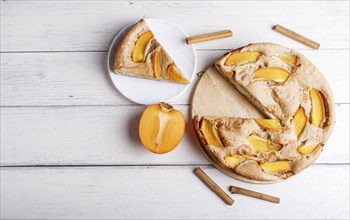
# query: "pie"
(299, 108)
(140, 55)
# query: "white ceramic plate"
(145, 91)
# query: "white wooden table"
(69, 140)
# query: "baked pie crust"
(299, 108)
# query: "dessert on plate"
(140, 55)
(299, 108)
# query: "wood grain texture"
(321, 192)
(45, 79)
(88, 135)
(214, 96)
(91, 25)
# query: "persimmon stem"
(166, 107)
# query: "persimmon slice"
(272, 74)
(262, 145)
(210, 133)
(291, 60)
(175, 75)
(157, 64)
(299, 121)
(273, 124)
(141, 45)
(307, 149)
(318, 112)
(275, 167)
(242, 57)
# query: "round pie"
(299, 108)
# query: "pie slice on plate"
(141, 55)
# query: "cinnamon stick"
(246, 192)
(213, 186)
(209, 36)
(295, 36)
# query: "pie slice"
(141, 55)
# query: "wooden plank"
(85, 135)
(91, 25)
(47, 79)
(321, 192)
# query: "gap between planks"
(131, 2)
(106, 51)
(107, 105)
(210, 166)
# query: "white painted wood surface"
(85, 135)
(166, 192)
(91, 25)
(61, 116)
